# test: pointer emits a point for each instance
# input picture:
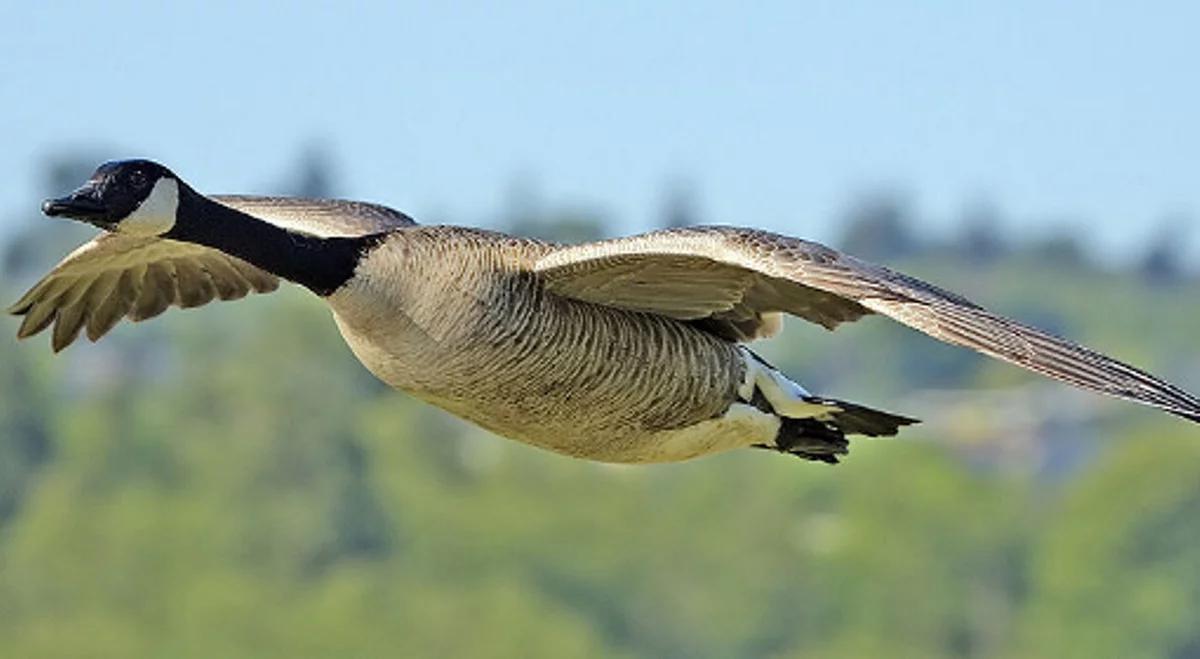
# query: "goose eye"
(137, 180)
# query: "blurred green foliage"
(229, 482)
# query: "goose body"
(457, 318)
(627, 350)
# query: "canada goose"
(624, 350)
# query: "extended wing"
(736, 281)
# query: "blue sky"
(776, 114)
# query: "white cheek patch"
(156, 214)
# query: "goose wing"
(327, 218)
(736, 282)
(115, 276)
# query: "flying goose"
(626, 350)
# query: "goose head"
(137, 197)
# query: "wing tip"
(1190, 415)
(18, 308)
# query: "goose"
(629, 350)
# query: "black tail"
(854, 419)
(823, 440)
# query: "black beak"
(82, 204)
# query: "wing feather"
(115, 276)
(764, 273)
(109, 311)
(319, 217)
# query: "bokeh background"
(229, 481)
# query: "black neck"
(322, 265)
